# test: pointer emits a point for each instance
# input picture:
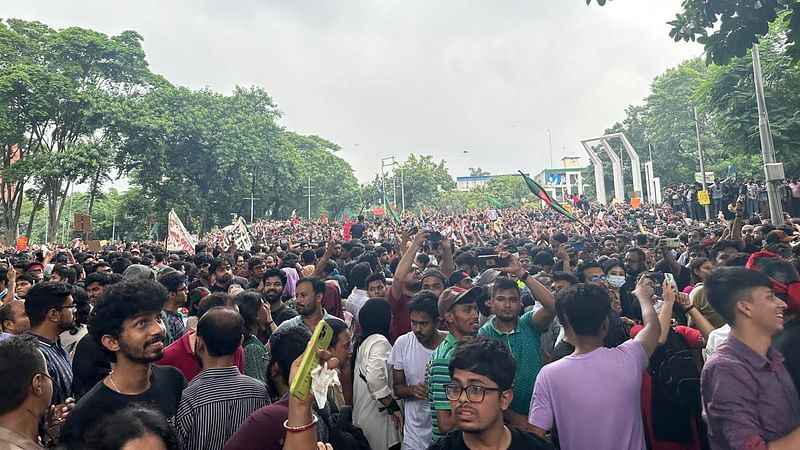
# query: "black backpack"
(673, 367)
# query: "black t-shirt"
(561, 350)
(166, 387)
(89, 365)
(357, 230)
(520, 440)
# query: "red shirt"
(401, 318)
(262, 430)
(179, 355)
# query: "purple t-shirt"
(594, 399)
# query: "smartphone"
(320, 339)
(491, 262)
(669, 242)
(434, 236)
(658, 281)
(670, 279)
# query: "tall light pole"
(309, 195)
(773, 171)
(402, 187)
(702, 163)
(385, 164)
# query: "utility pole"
(773, 171)
(402, 190)
(309, 195)
(385, 164)
(702, 163)
(253, 197)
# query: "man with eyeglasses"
(51, 310)
(174, 282)
(482, 373)
(520, 334)
(459, 309)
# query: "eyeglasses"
(475, 393)
(597, 277)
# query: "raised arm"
(404, 266)
(320, 266)
(665, 315)
(447, 266)
(698, 320)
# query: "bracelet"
(270, 322)
(301, 428)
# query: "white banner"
(238, 233)
(178, 239)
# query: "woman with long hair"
(374, 407)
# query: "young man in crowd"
(410, 356)
(309, 293)
(566, 392)
(459, 309)
(480, 391)
(51, 311)
(264, 428)
(271, 287)
(359, 295)
(96, 283)
(405, 285)
(748, 394)
(521, 334)
(127, 324)
(220, 398)
(176, 287)
(25, 393)
(376, 285)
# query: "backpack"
(342, 434)
(673, 367)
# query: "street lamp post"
(773, 171)
(702, 163)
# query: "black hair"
(103, 279)
(738, 260)
(66, 273)
(120, 264)
(317, 283)
(424, 259)
(5, 313)
(375, 317)
(584, 266)
(374, 277)
(254, 261)
(584, 308)
(216, 263)
(270, 273)
(308, 256)
(213, 300)
(358, 275)
(695, 266)
(285, 346)
(726, 285)
(641, 253)
(427, 302)
(721, 245)
(20, 361)
(564, 276)
(43, 297)
(114, 431)
(466, 259)
(611, 263)
(504, 284)
(487, 357)
(338, 326)
(172, 280)
(123, 301)
(249, 303)
(221, 329)
(82, 308)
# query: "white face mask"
(616, 281)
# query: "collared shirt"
(180, 355)
(214, 405)
(355, 301)
(176, 327)
(11, 440)
(59, 365)
(298, 321)
(438, 376)
(525, 346)
(750, 400)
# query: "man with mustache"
(459, 309)
(309, 293)
(272, 283)
(127, 324)
(222, 276)
(480, 391)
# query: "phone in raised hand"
(320, 340)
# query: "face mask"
(616, 281)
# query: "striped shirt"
(438, 376)
(214, 405)
(59, 366)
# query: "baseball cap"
(456, 277)
(775, 236)
(138, 272)
(457, 296)
(434, 273)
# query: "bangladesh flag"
(389, 211)
(495, 202)
(545, 197)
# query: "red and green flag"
(389, 211)
(545, 197)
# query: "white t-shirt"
(410, 356)
(715, 338)
(594, 398)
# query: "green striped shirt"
(438, 376)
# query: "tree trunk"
(36, 205)
(93, 190)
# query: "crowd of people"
(644, 328)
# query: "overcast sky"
(389, 77)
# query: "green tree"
(423, 179)
(478, 172)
